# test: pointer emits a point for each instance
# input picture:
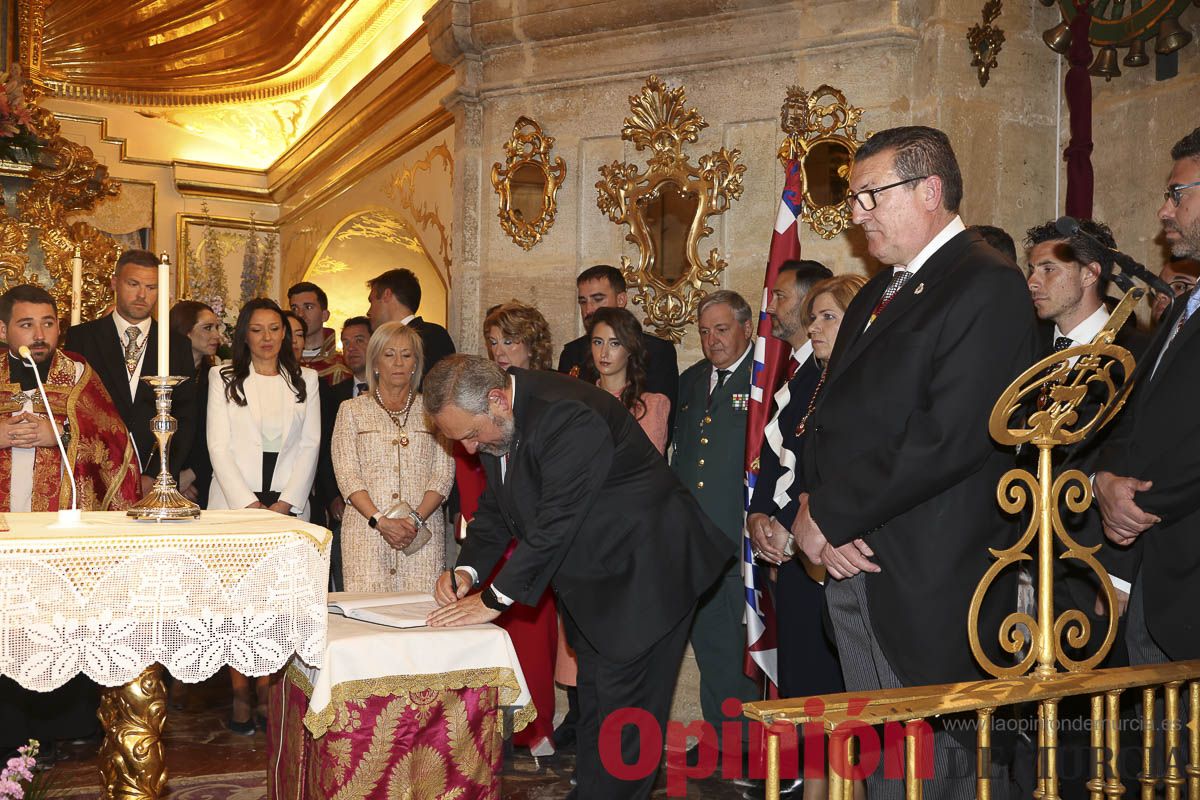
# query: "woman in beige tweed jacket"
(384, 450)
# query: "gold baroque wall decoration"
(985, 41)
(822, 138)
(667, 206)
(403, 189)
(65, 179)
(527, 184)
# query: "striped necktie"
(899, 278)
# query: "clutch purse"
(401, 510)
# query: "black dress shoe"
(244, 728)
(564, 737)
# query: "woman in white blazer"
(264, 424)
(264, 433)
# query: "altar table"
(114, 598)
(396, 713)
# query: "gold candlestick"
(164, 500)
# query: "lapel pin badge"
(920, 288)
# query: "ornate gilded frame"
(660, 122)
(808, 124)
(65, 179)
(528, 145)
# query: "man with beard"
(32, 478)
(597, 514)
(1148, 475)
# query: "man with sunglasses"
(1147, 482)
(901, 473)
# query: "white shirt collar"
(1085, 331)
(803, 352)
(408, 319)
(733, 367)
(124, 324)
(952, 229)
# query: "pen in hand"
(453, 583)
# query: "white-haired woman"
(384, 452)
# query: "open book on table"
(395, 609)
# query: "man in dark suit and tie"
(123, 346)
(1068, 285)
(603, 286)
(898, 465)
(356, 333)
(1147, 482)
(598, 515)
(395, 297)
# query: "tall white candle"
(76, 288)
(164, 316)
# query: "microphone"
(1069, 226)
(65, 517)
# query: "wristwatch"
(373, 521)
(489, 598)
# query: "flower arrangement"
(16, 119)
(17, 779)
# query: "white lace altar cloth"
(113, 595)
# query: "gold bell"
(1058, 38)
(1171, 36)
(1105, 66)
(1137, 54)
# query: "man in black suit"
(123, 346)
(807, 660)
(898, 465)
(603, 286)
(598, 515)
(1147, 482)
(395, 297)
(1068, 285)
(356, 332)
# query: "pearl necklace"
(395, 415)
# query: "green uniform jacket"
(710, 445)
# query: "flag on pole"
(769, 356)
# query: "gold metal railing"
(1078, 391)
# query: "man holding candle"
(125, 345)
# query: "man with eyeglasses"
(901, 507)
(1147, 482)
(1180, 274)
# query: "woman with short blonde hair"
(518, 335)
(387, 456)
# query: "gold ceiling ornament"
(208, 51)
(1057, 390)
(821, 140)
(64, 180)
(527, 184)
(402, 188)
(667, 206)
(986, 41)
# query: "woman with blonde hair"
(517, 335)
(394, 472)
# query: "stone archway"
(364, 244)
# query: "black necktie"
(362, 388)
(1062, 343)
(722, 376)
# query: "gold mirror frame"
(809, 124)
(661, 123)
(528, 147)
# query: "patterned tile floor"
(199, 744)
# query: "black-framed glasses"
(1174, 192)
(866, 198)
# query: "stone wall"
(573, 65)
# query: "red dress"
(533, 629)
